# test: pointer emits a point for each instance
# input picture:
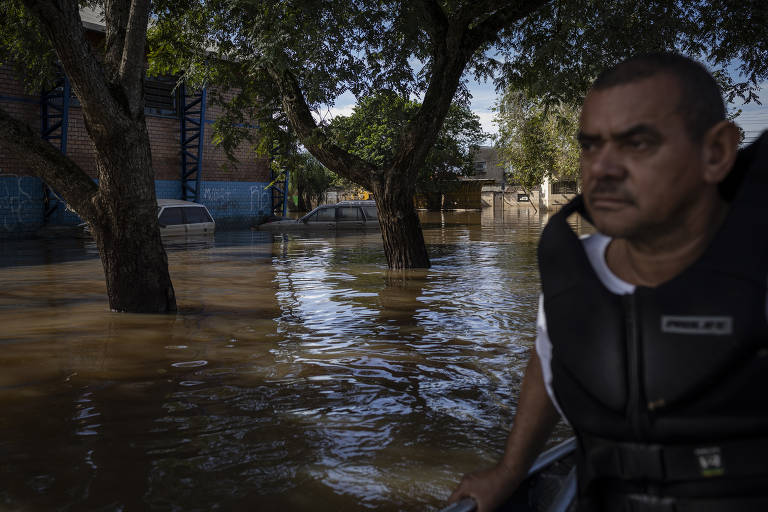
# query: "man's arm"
(534, 420)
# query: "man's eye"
(638, 144)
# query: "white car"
(177, 217)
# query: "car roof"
(340, 203)
(367, 202)
(176, 202)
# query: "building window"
(479, 167)
(565, 187)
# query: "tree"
(372, 130)
(536, 140)
(120, 208)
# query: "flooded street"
(300, 374)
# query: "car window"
(349, 213)
(371, 212)
(171, 217)
(323, 215)
(196, 215)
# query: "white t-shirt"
(594, 246)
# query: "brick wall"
(21, 105)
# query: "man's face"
(640, 171)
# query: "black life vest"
(667, 388)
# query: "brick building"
(187, 164)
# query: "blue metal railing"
(192, 119)
(54, 123)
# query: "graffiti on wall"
(216, 195)
(260, 199)
(18, 207)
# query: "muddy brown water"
(300, 374)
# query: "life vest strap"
(605, 458)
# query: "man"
(653, 332)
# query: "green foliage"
(21, 37)
(564, 45)
(536, 140)
(373, 132)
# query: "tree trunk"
(122, 212)
(401, 232)
(126, 228)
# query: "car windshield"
(196, 215)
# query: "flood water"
(300, 374)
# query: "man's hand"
(534, 420)
(489, 488)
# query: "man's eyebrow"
(639, 129)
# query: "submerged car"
(339, 216)
(177, 217)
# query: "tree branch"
(487, 30)
(61, 21)
(452, 53)
(434, 16)
(132, 62)
(329, 154)
(116, 13)
(58, 171)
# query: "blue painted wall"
(232, 204)
(21, 205)
(236, 203)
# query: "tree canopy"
(563, 46)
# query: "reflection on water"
(300, 373)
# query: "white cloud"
(486, 121)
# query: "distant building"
(495, 190)
(486, 166)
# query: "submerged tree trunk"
(126, 229)
(401, 231)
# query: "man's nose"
(606, 162)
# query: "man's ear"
(719, 148)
